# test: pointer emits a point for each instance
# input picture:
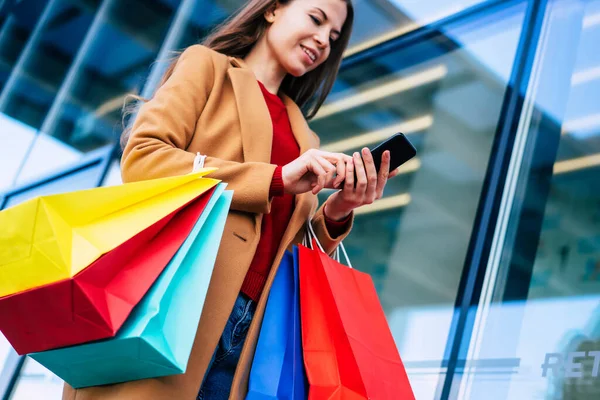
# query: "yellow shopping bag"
(51, 238)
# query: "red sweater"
(284, 150)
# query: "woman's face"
(302, 32)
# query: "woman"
(235, 99)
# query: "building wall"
(485, 250)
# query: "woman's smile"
(310, 53)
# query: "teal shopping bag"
(157, 338)
(278, 368)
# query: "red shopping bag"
(95, 303)
(349, 351)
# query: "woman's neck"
(265, 67)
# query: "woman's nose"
(321, 40)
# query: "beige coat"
(212, 104)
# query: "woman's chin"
(297, 69)
(296, 72)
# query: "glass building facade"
(485, 250)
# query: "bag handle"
(198, 162)
(337, 255)
(310, 235)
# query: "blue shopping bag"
(157, 338)
(278, 368)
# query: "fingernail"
(365, 151)
(356, 154)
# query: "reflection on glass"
(81, 178)
(35, 74)
(381, 20)
(193, 21)
(19, 114)
(445, 94)
(544, 310)
(85, 114)
(75, 78)
(38, 69)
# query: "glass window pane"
(378, 20)
(16, 137)
(113, 176)
(4, 349)
(543, 306)
(445, 93)
(36, 382)
(200, 18)
(42, 64)
(17, 121)
(375, 20)
(85, 112)
(85, 178)
(192, 21)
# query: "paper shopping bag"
(95, 303)
(348, 348)
(278, 368)
(51, 238)
(157, 338)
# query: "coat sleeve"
(164, 128)
(328, 242)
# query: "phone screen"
(401, 150)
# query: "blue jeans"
(219, 374)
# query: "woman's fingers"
(361, 175)
(331, 170)
(341, 173)
(339, 160)
(349, 183)
(383, 173)
(324, 171)
(328, 166)
(371, 172)
(394, 173)
(319, 171)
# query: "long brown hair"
(238, 34)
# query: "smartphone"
(401, 150)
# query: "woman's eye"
(316, 20)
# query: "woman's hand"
(314, 171)
(369, 185)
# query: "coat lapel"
(257, 133)
(255, 120)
